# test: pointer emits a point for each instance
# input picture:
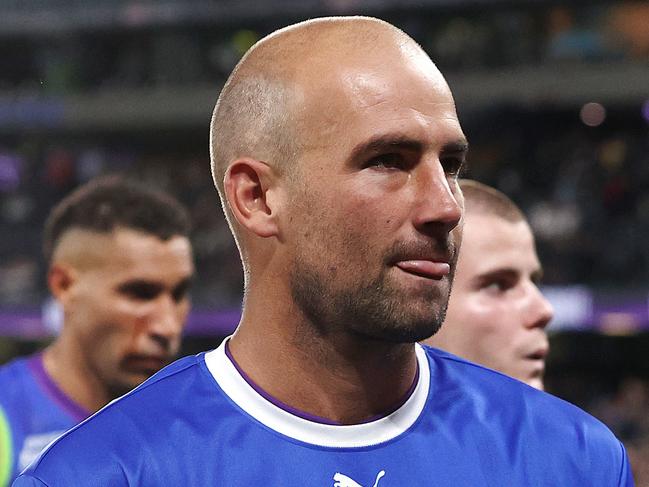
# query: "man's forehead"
(377, 101)
(490, 242)
(488, 228)
(365, 76)
(366, 88)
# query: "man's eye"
(141, 292)
(180, 292)
(453, 166)
(389, 160)
(498, 286)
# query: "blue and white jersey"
(33, 413)
(199, 422)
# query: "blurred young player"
(496, 314)
(336, 150)
(120, 265)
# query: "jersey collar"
(325, 435)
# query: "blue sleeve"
(28, 481)
(626, 477)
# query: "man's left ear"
(61, 279)
(249, 188)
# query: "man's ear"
(60, 280)
(248, 185)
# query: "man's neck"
(64, 363)
(344, 379)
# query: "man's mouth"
(537, 359)
(539, 354)
(429, 269)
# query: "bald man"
(119, 266)
(496, 314)
(336, 149)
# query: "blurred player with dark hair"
(120, 264)
(336, 150)
(496, 314)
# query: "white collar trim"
(325, 435)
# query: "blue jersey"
(33, 412)
(200, 423)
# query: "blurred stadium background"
(554, 98)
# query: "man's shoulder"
(171, 384)
(480, 381)
(16, 368)
(15, 380)
(510, 400)
(143, 413)
(514, 420)
(148, 402)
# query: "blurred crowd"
(192, 53)
(584, 189)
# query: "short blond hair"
(482, 199)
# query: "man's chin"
(536, 382)
(403, 332)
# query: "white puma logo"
(341, 480)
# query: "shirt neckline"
(381, 430)
(52, 389)
(303, 414)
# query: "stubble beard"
(375, 310)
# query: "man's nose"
(540, 311)
(439, 199)
(166, 320)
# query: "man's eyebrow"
(186, 282)
(399, 141)
(501, 272)
(138, 282)
(460, 145)
(509, 273)
(388, 141)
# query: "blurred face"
(375, 206)
(127, 305)
(496, 314)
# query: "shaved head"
(83, 249)
(315, 121)
(265, 102)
